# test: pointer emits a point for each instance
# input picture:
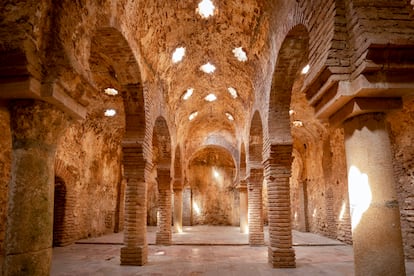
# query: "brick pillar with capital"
(135, 250)
(36, 127)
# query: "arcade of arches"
(116, 115)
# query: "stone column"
(178, 207)
(278, 171)
(244, 226)
(36, 127)
(135, 251)
(163, 235)
(375, 215)
(255, 205)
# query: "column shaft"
(244, 226)
(164, 235)
(278, 172)
(178, 210)
(255, 205)
(135, 251)
(35, 126)
(375, 215)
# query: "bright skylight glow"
(178, 54)
(233, 92)
(192, 116)
(110, 112)
(211, 97)
(305, 69)
(206, 8)
(240, 54)
(229, 116)
(111, 91)
(208, 68)
(188, 94)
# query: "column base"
(31, 263)
(163, 238)
(281, 257)
(256, 239)
(137, 256)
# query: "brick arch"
(161, 144)
(113, 64)
(64, 231)
(59, 210)
(292, 57)
(255, 154)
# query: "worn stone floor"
(205, 250)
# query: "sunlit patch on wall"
(360, 195)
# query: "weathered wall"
(5, 167)
(213, 195)
(402, 138)
(89, 156)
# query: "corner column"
(135, 251)
(255, 206)
(163, 235)
(278, 171)
(244, 226)
(375, 215)
(178, 206)
(36, 127)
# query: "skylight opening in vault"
(208, 68)
(192, 115)
(110, 112)
(188, 94)
(111, 91)
(229, 116)
(240, 54)
(178, 54)
(233, 92)
(206, 8)
(210, 97)
(305, 69)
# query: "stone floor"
(205, 250)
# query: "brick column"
(278, 172)
(178, 206)
(244, 226)
(255, 205)
(163, 235)
(375, 215)
(36, 127)
(135, 251)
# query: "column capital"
(177, 184)
(359, 106)
(36, 123)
